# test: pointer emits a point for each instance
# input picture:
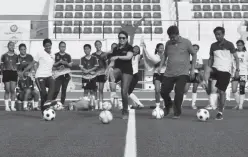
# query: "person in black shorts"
(89, 65)
(9, 63)
(44, 75)
(62, 70)
(101, 76)
(122, 69)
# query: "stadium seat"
(127, 1)
(67, 30)
(88, 1)
(208, 15)
(245, 15)
(215, 8)
(237, 15)
(147, 23)
(225, 1)
(158, 30)
(69, 8)
(97, 30)
(79, 8)
(136, 1)
(108, 8)
(79, 1)
(205, 1)
(157, 23)
(217, 15)
(68, 15)
(117, 15)
(137, 15)
(117, 8)
(98, 15)
(128, 22)
(155, 1)
(197, 8)
(156, 15)
(97, 23)
(196, 1)
(117, 1)
(206, 8)
(117, 23)
(59, 8)
(146, 1)
(215, 1)
(107, 23)
(226, 8)
(147, 30)
(88, 15)
(58, 23)
(197, 15)
(69, 1)
(127, 7)
(60, 1)
(234, 1)
(156, 8)
(77, 30)
(78, 15)
(98, 8)
(57, 30)
(107, 30)
(244, 7)
(87, 30)
(127, 15)
(77, 23)
(58, 15)
(117, 30)
(108, 15)
(243, 1)
(227, 15)
(98, 1)
(147, 8)
(147, 15)
(87, 23)
(138, 30)
(107, 1)
(88, 8)
(136, 8)
(235, 8)
(68, 23)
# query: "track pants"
(61, 82)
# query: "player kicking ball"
(219, 66)
(27, 92)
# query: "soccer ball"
(106, 105)
(158, 113)
(58, 106)
(49, 114)
(203, 115)
(105, 117)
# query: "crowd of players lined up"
(121, 64)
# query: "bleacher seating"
(91, 15)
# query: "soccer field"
(81, 134)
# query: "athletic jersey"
(25, 83)
(102, 63)
(243, 63)
(199, 61)
(222, 55)
(24, 61)
(64, 57)
(163, 67)
(135, 63)
(89, 64)
(45, 61)
(9, 62)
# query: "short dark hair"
(87, 45)
(45, 41)
(62, 42)
(123, 32)
(173, 30)
(98, 41)
(222, 29)
(22, 45)
(196, 46)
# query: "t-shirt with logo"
(24, 61)
(102, 63)
(243, 63)
(89, 63)
(123, 64)
(9, 61)
(64, 57)
(25, 83)
(45, 61)
(222, 54)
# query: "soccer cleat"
(50, 104)
(219, 116)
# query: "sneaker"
(235, 107)
(240, 107)
(219, 116)
(125, 116)
(13, 109)
(7, 109)
(209, 107)
(176, 117)
(194, 107)
(50, 104)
